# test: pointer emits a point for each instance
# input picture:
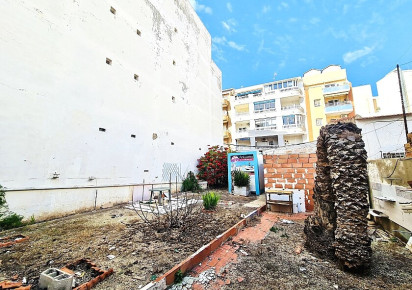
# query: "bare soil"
(141, 254)
(275, 264)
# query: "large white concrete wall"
(56, 91)
(383, 134)
(389, 98)
(363, 100)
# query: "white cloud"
(351, 56)
(266, 9)
(229, 25)
(222, 41)
(229, 7)
(314, 20)
(236, 46)
(200, 7)
(283, 5)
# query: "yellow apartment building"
(328, 97)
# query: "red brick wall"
(291, 171)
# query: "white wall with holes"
(79, 78)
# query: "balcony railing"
(344, 88)
(266, 128)
(292, 107)
(338, 107)
(265, 110)
(287, 126)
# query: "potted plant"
(241, 180)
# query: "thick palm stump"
(338, 227)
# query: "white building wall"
(389, 99)
(363, 100)
(56, 91)
(384, 134)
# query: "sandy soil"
(140, 253)
(275, 264)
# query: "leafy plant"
(11, 220)
(213, 166)
(179, 276)
(190, 183)
(241, 178)
(274, 229)
(210, 200)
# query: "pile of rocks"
(339, 225)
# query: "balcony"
(263, 131)
(242, 134)
(226, 119)
(292, 129)
(264, 111)
(336, 90)
(225, 105)
(290, 94)
(338, 108)
(293, 109)
(227, 135)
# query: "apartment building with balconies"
(270, 114)
(227, 121)
(328, 98)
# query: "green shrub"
(241, 178)
(210, 200)
(190, 183)
(10, 221)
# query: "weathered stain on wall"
(72, 116)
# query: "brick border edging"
(25, 238)
(194, 259)
(91, 283)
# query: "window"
(319, 122)
(264, 106)
(265, 123)
(281, 85)
(113, 10)
(108, 61)
(292, 121)
(316, 103)
(136, 77)
(138, 32)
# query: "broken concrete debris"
(339, 226)
(55, 279)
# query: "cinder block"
(55, 279)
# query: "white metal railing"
(242, 113)
(266, 128)
(338, 104)
(291, 107)
(264, 110)
(292, 126)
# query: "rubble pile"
(339, 224)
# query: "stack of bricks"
(408, 146)
(291, 171)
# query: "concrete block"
(55, 279)
(203, 184)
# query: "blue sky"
(255, 41)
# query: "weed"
(190, 183)
(274, 229)
(285, 235)
(210, 200)
(12, 221)
(32, 220)
(179, 276)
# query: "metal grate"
(171, 170)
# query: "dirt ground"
(275, 264)
(141, 254)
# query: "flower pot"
(241, 190)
